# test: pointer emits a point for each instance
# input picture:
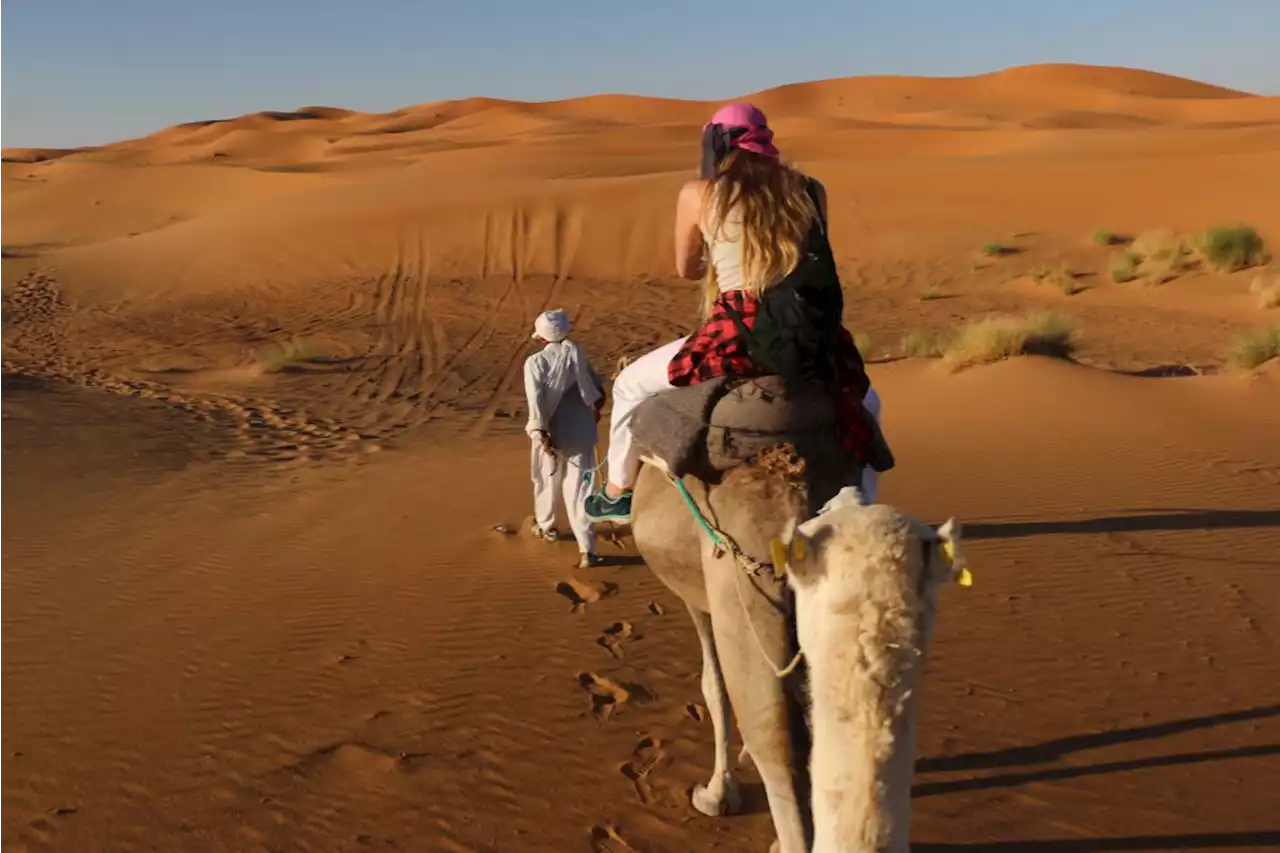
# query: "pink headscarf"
(746, 128)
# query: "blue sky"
(79, 72)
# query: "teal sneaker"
(601, 507)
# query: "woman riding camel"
(747, 224)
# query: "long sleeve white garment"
(549, 374)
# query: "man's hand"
(544, 440)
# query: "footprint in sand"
(605, 839)
(645, 759)
(656, 609)
(612, 637)
(582, 593)
(695, 712)
(608, 696)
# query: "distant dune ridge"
(1007, 95)
(581, 192)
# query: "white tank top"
(724, 245)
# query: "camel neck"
(862, 714)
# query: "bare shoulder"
(692, 194)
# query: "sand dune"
(262, 409)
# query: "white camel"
(866, 582)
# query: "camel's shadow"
(1260, 839)
(1054, 750)
(1142, 520)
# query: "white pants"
(573, 475)
(646, 376)
(637, 382)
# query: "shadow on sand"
(1054, 750)
(1263, 839)
(1167, 520)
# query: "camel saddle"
(710, 427)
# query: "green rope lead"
(697, 513)
(719, 539)
(724, 543)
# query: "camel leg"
(719, 796)
(769, 723)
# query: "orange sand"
(231, 623)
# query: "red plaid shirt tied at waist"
(715, 349)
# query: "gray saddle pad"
(708, 428)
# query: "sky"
(83, 72)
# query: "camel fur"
(866, 581)
(747, 628)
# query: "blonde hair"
(775, 210)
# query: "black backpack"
(797, 322)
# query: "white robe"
(562, 391)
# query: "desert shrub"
(1233, 247)
(917, 344)
(1156, 256)
(1251, 349)
(995, 250)
(1124, 266)
(1061, 276)
(1157, 243)
(1103, 237)
(1267, 288)
(1167, 264)
(997, 338)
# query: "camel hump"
(709, 428)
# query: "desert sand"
(262, 410)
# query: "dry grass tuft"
(1252, 349)
(1267, 288)
(1061, 276)
(1103, 237)
(1164, 256)
(1233, 247)
(1124, 266)
(918, 344)
(285, 356)
(998, 338)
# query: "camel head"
(849, 549)
(866, 580)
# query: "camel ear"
(950, 555)
(796, 553)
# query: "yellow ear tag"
(966, 578)
(948, 550)
(778, 553)
(798, 549)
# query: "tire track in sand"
(565, 241)
(408, 363)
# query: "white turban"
(552, 326)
